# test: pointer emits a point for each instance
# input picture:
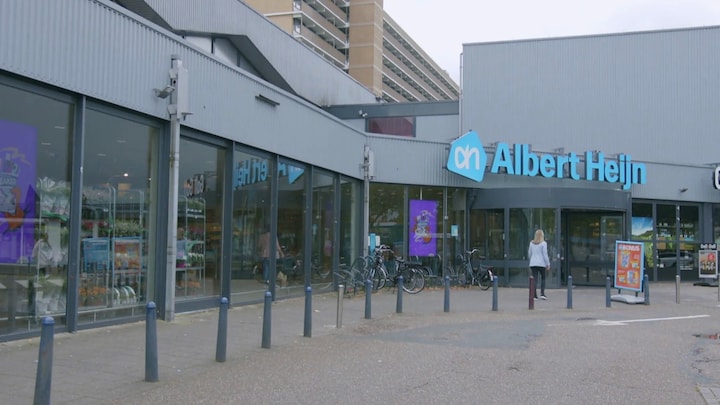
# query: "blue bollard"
(221, 348)
(368, 294)
(151, 344)
(607, 291)
(398, 305)
(43, 379)
(569, 292)
(446, 305)
(307, 328)
(266, 321)
(495, 293)
(646, 289)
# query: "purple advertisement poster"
(17, 191)
(423, 227)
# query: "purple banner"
(423, 227)
(18, 145)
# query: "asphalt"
(667, 352)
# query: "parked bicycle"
(470, 271)
(412, 273)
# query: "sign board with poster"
(708, 260)
(629, 265)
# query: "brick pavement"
(106, 365)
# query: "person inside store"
(42, 254)
(264, 246)
(539, 261)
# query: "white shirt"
(537, 252)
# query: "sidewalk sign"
(629, 265)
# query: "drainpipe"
(368, 173)
(178, 110)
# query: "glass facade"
(199, 248)
(323, 228)
(283, 224)
(672, 234)
(252, 175)
(35, 187)
(118, 235)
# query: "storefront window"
(252, 174)
(523, 223)
(323, 227)
(387, 215)
(350, 207)
(487, 233)
(456, 223)
(199, 220)
(642, 231)
(35, 159)
(118, 215)
(292, 198)
(716, 223)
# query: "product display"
(190, 262)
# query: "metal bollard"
(267, 324)
(307, 327)
(341, 292)
(607, 291)
(221, 348)
(43, 379)
(531, 293)
(398, 305)
(495, 293)
(646, 290)
(368, 294)
(151, 343)
(569, 292)
(677, 289)
(446, 301)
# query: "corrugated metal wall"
(653, 95)
(101, 50)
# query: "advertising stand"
(629, 271)
(708, 265)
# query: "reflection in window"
(34, 208)
(523, 223)
(199, 220)
(292, 196)
(401, 126)
(252, 174)
(387, 214)
(349, 209)
(323, 226)
(118, 237)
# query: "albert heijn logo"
(467, 157)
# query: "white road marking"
(601, 322)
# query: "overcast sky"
(440, 27)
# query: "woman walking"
(539, 261)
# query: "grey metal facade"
(109, 54)
(651, 95)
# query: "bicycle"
(469, 273)
(412, 273)
(362, 269)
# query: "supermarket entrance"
(588, 244)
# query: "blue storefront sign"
(468, 158)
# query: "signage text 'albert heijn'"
(468, 158)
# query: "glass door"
(589, 243)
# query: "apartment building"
(362, 39)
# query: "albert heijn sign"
(468, 158)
